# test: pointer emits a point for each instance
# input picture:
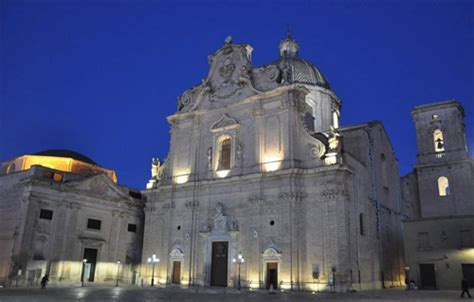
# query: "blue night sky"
(100, 77)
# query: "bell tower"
(440, 132)
(443, 165)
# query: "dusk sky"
(100, 77)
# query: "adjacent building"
(438, 200)
(63, 215)
(259, 169)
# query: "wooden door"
(176, 272)
(219, 263)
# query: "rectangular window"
(465, 238)
(46, 214)
(93, 224)
(361, 224)
(423, 240)
(132, 228)
(225, 154)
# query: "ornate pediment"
(100, 185)
(224, 123)
(229, 65)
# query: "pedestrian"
(465, 288)
(44, 281)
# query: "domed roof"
(302, 72)
(295, 69)
(66, 153)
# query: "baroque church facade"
(259, 168)
(261, 188)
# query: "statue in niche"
(334, 140)
(209, 158)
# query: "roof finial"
(288, 32)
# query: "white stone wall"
(56, 246)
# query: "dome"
(66, 153)
(295, 69)
(302, 72)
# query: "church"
(262, 188)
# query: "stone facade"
(437, 199)
(258, 165)
(45, 228)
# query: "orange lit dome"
(58, 159)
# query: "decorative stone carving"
(316, 150)
(209, 159)
(191, 204)
(169, 205)
(272, 72)
(256, 200)
(219, 220)
(204, 228)
(255, 234)
(258, 110)
(296, 196)
(225, 122)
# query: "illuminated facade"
(58, 208)
(259, 165)
(437, 197)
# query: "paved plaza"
(210, 295)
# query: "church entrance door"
(89, 267)
(219, 263)
(272, 275)
(176, 272)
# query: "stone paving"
(98, 293)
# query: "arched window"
(438, 140)
(443, 186)
(225, 154)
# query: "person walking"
(44, 281)
(465, 288)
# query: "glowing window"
(443, 186)
(335, 119)
(225, 153)
(438, 140)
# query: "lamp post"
(240, 259)
(153, 259)
(118, 265)
(84, 261)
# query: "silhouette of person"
(44, 281)
(465, 288)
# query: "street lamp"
(84, 261)
(240, 259)
(118, 265)
(153, 259)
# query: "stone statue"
(155, 167)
